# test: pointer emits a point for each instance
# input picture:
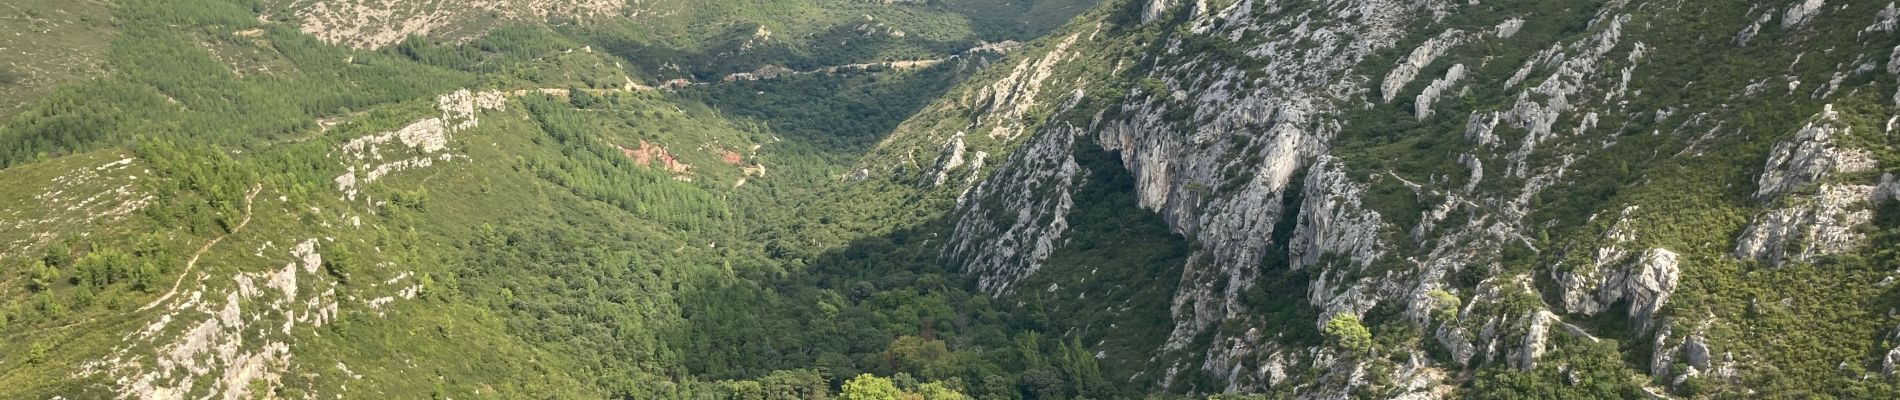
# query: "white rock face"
(1810, 156)
(1884, 21)
(1646, 281)
(1283, 105)
(1423, 103)
(363, 156)
(1692, 350)
(1827, 223)
(239, 332)
(1508, 28)
(951, 159)
(1891, 362)
(1539, 108)
(1800, 13)
(1534, 340)
(1648, 286)
(1890, 365)
(1219, 147)
(1332, 220)
(1481, 128)
(1580, 285)
(1421, 57)
(1002, 251)
(1748, 34)
(1227, 194)
(1004, 103)
(1893, 67)
(1154, 9)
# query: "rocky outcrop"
(1889, 189)
(1826, 223)
(370, 24)
(1019, 213)
(1227, 193)
(1646, 282)
(1535, 339)
(1186, 170)
(1799, 13)
(1538, 108)
(1679, 358)
(1812, 155)
(363, 157)
(1890, 364)
(1154, 9)
(1581, 282)
(235, 334)
(1884, 21)
(1481, 128)
(1508, 28)
(1420, 57)
(1893, 68)
(951, 159)
(1333, 220)
(1615, 274)
(1422, 105)
(1005, 103)
(1808, 225)
(1647, 287)
(1217, 142)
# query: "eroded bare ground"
(369, 24)
(192, 263)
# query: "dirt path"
(193, 261)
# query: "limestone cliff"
(1588, 122)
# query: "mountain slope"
(1524, 190)
(954, 199)
(238, 209)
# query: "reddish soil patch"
(631, 154)
(647, 152)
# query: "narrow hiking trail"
(193, 261)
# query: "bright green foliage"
(341, 262)
(939, 391)
(1445, 305)
(868, 387)
(1082, 369)
(43, 276)
(104, 267)
(58, 255)
(1344, 331)
(926, 358)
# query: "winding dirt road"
(193, 261)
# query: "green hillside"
(948, 199)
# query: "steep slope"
(1157, 198)
(696, 40)
(1476, 198)
(239, 210)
